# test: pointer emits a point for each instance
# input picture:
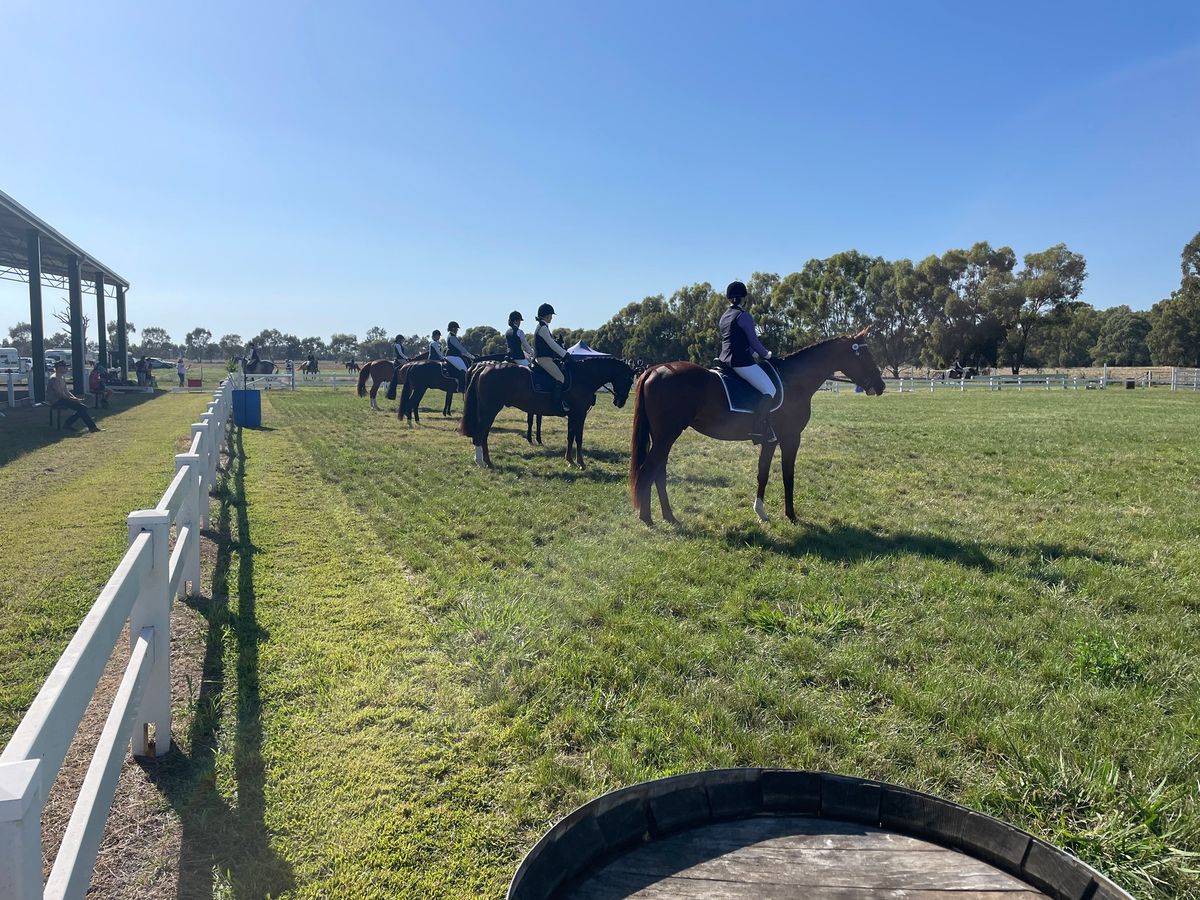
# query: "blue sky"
(320, 167)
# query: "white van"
(10, 361)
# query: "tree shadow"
(25, 429)
(849, 543)
(225, 842)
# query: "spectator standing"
(180, 370)
(60, 397)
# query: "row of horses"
(669, 398)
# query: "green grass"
(64, 500)
(993, 598)
(418, 666)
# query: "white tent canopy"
(580, 348)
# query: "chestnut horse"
(417, 378)
(675, 396)
(498, 385)
(380, 371)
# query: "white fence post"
(189, 517)
(1104, 377)
(21, 803)
(152, 609)
(202, 429)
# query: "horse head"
(859, 365)
(595, 371)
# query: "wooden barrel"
(786, 833)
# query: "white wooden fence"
(141, 590)
(289, 381)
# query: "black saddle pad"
(543, 382)
(741, 396)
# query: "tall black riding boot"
(762, 432)
(559, 401)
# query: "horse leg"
(765, 454)
(529, 429)
(579, 443)
(654, 470)
(789, 477)
(449, 400)
(374, 391)
(539, 430)
(570, 454)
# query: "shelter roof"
(15, 224)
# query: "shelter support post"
(78, 338)
(37, 378)
(122, 339)
(101, 334)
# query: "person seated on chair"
(740, 350)
(519, 350)
(549, 354)
(59, 396)
(96, 386)
(398, 349)
(457, 353)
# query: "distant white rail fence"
(1176, 379)
(141, 590)
(289, 381)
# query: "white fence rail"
(289, 381)
(1176, 379)
(141, 591)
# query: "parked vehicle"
(10, 361)
(156, 363)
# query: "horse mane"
(814, 346)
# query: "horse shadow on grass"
(850, 543)
(226, 846)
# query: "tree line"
(978, 307)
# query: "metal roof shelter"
(34, 252)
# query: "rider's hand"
(769, 354)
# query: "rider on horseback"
(253, 360)
(519, 350)
(457, 353)
(740, 350)
(549, 355)
(435, 347)
(398, 347)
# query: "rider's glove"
(769, 354)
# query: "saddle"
(543, 382)
(743, 398)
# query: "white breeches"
(522, 362)
(757, 378)
(551, 368)
(458, 362)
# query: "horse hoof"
(762, 513)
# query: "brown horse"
(380, 371)
(675, 396)
(419, 377)
(498, 385)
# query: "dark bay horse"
(675, 396)
(498, 385)
(419, 377)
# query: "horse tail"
(470, 406)
(639, 444)
(363, 374)
(406, 397)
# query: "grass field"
(992, 597)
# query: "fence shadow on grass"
(225, 845)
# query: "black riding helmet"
(514, 317)
(453, 326)
(736, 292)
(545, 310)
(436, 334)
(397, 339)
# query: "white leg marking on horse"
(758, 508)
(479, 456)
(374, 405)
